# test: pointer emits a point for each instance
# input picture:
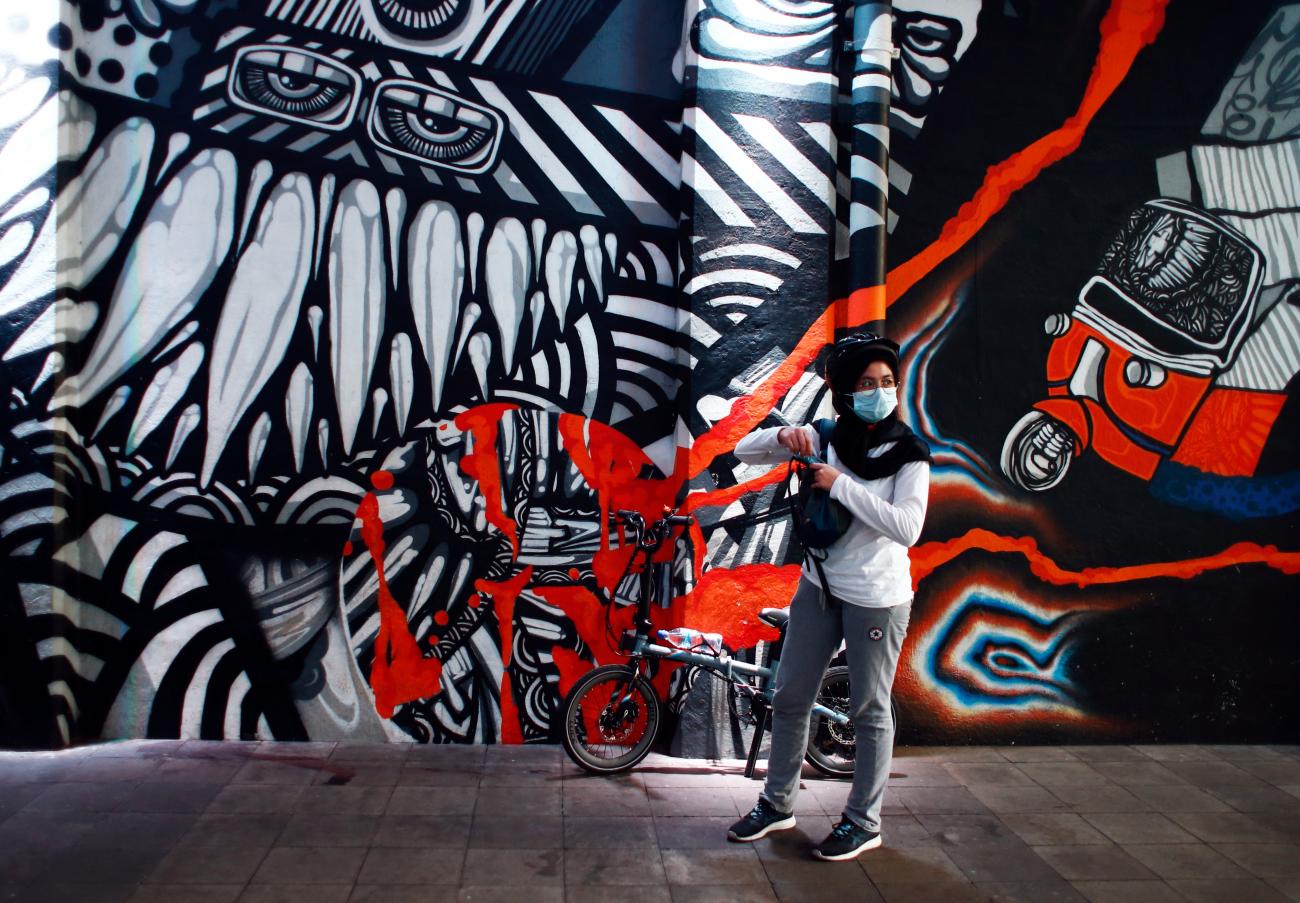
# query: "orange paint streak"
(719, 497)
(749, 410)
(400, 672)
(932, 555)
(728, 600)
(863, 305)
(483, 465)
(1128, 26)
(504, 594)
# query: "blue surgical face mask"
(874, 405)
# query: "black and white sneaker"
(846, 840)
(761, 821)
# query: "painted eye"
(420, 20)
(297, 85)
(930, 37)
(435, 127)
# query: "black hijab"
(853, 437)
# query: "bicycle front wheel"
(832, 748)
(610, 719)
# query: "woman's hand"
(823, 476)
(796, 440)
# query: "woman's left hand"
(823, 476)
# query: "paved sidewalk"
(193, 821)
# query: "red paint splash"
(725, 601)
(504, 594)
(581, 606)
(612, 466)
(728, 600)
(482, 464)
(1128, 27)
(400, 671)
(933, 555)
(381, 480)
(570, 666)
(588, 614)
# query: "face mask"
(874, 405)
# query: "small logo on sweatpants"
(876, 633)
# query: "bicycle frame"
(648, 541)
(612, 713)
(726, 667)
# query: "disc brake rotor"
(617, 720)
(841, 734)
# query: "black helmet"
(851, 355)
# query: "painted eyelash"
(400, 131)
(256, 83)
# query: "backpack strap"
(825, 428)
(784, 493)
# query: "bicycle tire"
(832, 748)
(600, 739)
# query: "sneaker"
(762, 820)
(846, 840)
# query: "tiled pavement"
(175, 822)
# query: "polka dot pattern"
(111, 71)
(109, 54)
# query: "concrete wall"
(335, 332)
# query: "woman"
(880, 472)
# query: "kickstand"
(760, 728)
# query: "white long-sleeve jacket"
(868, 565)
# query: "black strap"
(796, 513)
(825, 428)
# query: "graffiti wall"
(332, 331)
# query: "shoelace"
(757, 811)
(843, 829)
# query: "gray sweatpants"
(873, 639)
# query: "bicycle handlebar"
(634, 518)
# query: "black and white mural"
(331, 331)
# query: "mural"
(333, 330)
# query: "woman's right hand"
(796, 440)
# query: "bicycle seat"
(777, 617)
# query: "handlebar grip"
(679, 520)
(626, 516)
